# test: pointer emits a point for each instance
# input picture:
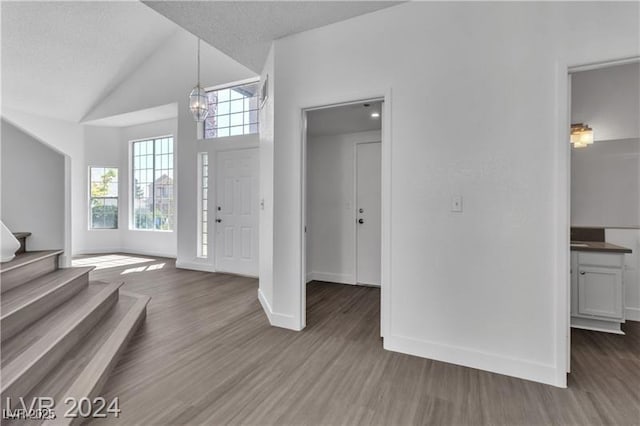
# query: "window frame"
(253, 80)
(203, 205)
(132, 183)
(90, 199)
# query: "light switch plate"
(456, 203)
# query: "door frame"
(355, 203)
(385, 214)
(214, 235)
(564, 71)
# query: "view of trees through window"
(153, 201)
(103, 201)
(232, 111)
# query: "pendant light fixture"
(198, 103)
(581, 135)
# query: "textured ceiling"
(60, 58)
(244, 30)
(343, 119)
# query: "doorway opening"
(604, 206)
(342, 209)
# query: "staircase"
(61, 333)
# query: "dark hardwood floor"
(207, 355)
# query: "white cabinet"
(597, 291)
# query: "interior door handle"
(218, 220)
(360, 221)
(582, 273)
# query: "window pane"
(223, 121)
(152, 184)
(236, 119)
(223, 108)
(236, 94)
(224, 104)
(223, 95)
(237, 106)
(237, 130)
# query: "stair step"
(28, 266)
(27, 303)
(84, 374)
(32, 362)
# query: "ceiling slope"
(60, 58)
(244, 30)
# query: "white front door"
(236, 212)
(368, 208)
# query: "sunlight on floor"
(143, 268)
(110, 261)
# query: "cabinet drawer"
(613, 260)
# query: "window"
(153, 184)
(203, 200)
(232, 111)
(103, 198)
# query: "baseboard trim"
(194, 266)
(277, 319)
(632, 314)
(331, 277)
(125, 251)
(514, 367)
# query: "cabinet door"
(600, 292)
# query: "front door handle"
(361, 221)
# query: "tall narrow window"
(232, 111)
(153, 183)
(103, 202)
(203, 200)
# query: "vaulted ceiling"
(60, 58)
(244, 30)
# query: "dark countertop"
(598, 246)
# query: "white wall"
(167, 77)
(330, 206)
(33, 178)
(605, 184)
(68, 139)
(485, 288)
(110, 147)
(608, 100)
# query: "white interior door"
(237, 212)
(368, 207)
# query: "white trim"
(89, 197)
(130, 193)
(605, 64)
(560, 231)
(383, 95)
(118, 250)
(494, 363)
(277, 319)
(233, 84)
(194, 266)
(632, 314)
(331, 277)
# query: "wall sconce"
(581, 135)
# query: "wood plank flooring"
(207, 355)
